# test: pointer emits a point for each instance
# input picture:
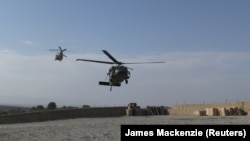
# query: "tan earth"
(101, 129)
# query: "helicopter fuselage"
(117, 74)
(59, 56)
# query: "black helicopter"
(59, 56)
(117, 73)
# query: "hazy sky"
(206, 46)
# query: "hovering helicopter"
(59, 56)
(117, 73)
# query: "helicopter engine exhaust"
(108, 84)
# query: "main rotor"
(114, 61)
(59, 49)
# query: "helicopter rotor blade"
(144, 63)
(119, 63)
(96, 61)
(114, 60)
(53, 50)
(106, 77)
(111, 57)
(130, 68)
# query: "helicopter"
(117, 73)
(59, 56)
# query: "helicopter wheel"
(126, 81)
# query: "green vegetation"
(37, 108)
(85, 106)
(52, 106)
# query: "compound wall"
(185, 110)
(63, 114)
(199, 109)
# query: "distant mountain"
(8, 108)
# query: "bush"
(38, 108)
(52, 106)
(85, 106)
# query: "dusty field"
(96, 129)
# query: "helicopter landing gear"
(126, 81)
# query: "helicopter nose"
(117, 71)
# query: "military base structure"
(241, 108)
(215, 109)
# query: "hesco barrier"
(203, 109)
(215, 109)
(63, 114)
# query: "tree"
(51, 106)
(38, 108)
(85, 106)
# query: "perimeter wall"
(215, 109)
(228, 108)
(63, 114)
